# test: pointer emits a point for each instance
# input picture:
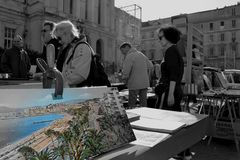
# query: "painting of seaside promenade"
(84, 124)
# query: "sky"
(155, 9)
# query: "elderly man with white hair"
(76, 65)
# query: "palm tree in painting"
(30, 154)
(77, 142)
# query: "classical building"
(221, 29)
(128, 28)
(97, 18)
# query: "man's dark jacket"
(16, 61)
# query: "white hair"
(66, 27)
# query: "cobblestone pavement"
(219, 149)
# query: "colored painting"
(85, 123)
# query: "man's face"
(63, 37)
(124, 50)
(46, 33)
(18, 42)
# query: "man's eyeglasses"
(44, 30)
(160, 37)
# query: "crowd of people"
(73, 56)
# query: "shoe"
(187, 157)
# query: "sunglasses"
(59, 38)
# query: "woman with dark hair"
(172, 68)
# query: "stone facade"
(221, 28)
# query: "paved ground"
(218, 149)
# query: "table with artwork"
(179, 131)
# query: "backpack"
(97, 75)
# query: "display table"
(151, 98)
(216, 102)
(120, 86)
(170, 145)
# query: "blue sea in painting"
(12, 130)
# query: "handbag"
(160, 88)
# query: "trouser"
(133, 95)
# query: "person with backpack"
(76, 65)
(80, 67)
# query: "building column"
(60, 5)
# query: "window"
(211, 52)
(211, 26)
(233, 36)
(222, 25)
(99, 11)
(211, 38)
(222, 51)
(233, 12)
(86, 9)
(234, 23)
(152, 34)
(222, 37)
(8, 37)
(234, 48)
(71, 7)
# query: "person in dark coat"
(16, 60)
(49, 38)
